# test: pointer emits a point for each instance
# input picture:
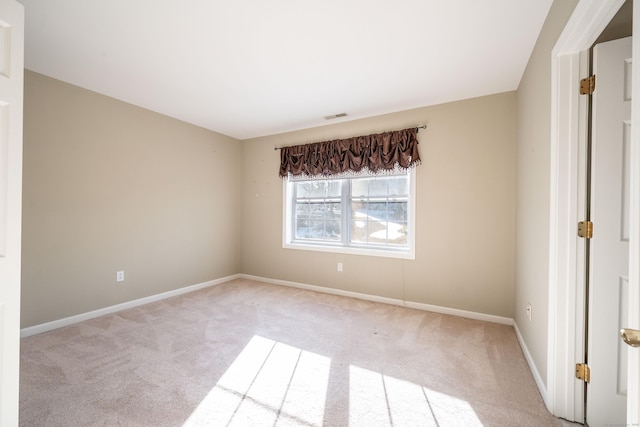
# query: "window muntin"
(369, 215)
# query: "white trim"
(350, 250)
(566, 293)
(392, 301)
(564, 264)
(589, 19)
(633, 384)
(532, 366)
(49, 326)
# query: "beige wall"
(465, 211)
(109, 186)
(533, 154)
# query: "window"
(370, 215)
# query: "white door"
(11, 78)
(609, 262)
(633, 396)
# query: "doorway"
(565, 394)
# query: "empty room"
(319, 213)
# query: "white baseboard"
(37, 329)
(385, 300)
(44, 327)
(532, 366)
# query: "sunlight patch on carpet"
(271, 383)
(268, 382)
(377, 399)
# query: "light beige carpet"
(251, 354)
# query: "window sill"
(351, 250)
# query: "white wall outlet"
(339, 266)
(120, 276)
(528, 311)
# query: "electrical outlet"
(120, 276)
(528, 311)
(339, 266)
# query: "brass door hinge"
(585, 229)
(588, 85)
(583, 372)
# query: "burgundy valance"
(375, 153)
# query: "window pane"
(359, 232)
(317, 210)
(378, 186)
(320, 230)
(318, 189)
(329, 209)
(377, 210)
(379, 233)
(379, 207)
(334, 210)
(316, 229)
(359, 221)
(333, 230)
(399, 186)
(302, 210)
(359, 187)
(302, 229)
(334, 188)
(402, 237)
(318, 220)
(397, 234)
(303, 189)
(397, 211)
(359, 210)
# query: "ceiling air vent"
(335, 116)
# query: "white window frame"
(288, 241)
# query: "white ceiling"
(248, 68)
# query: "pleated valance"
(376, 153)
